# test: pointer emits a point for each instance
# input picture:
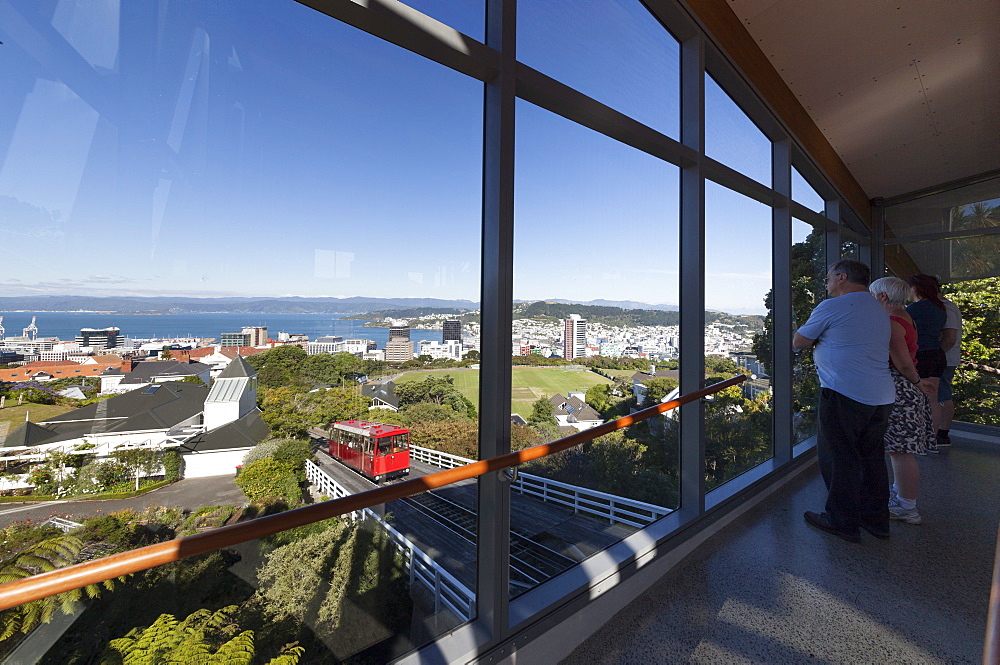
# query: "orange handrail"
(80, 575)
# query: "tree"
(542, 420)
(460, 437)
(327, 368)
(138, 461)
(658, 388)
(346, 582)
(280, 366)
(203, 637)
(975, 387)
(291, 411)
(165, 353)
(808, 271)
(438, 390)
(472, 355)
(428, 412)
(975, 256)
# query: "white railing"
(611, 507)
(446, 588)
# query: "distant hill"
(168, 305)
(623, 304)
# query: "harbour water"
(66, 325)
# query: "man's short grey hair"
(856, 271)
(897, 292)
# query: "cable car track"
(531, 563)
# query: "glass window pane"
(732, 138)
(611, 50)
(958, 259)
(312, 198)
(803, 192)
(961, 209)
(468, 16)
(738, 421)
(808, 290)
(595, 335)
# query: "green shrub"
(171, 465)
(267, 506)
(266, 477)
(120, 529)
(263, 450)
(298, 533)
(207, 517)
(107, 474)
(22, 535)
(294, 453)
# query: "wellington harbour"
(67, 325)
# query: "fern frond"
(237, 651)
(289, 657)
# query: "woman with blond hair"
(910, 430)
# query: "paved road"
(186, 494)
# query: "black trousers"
(852, 461)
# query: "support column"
(781, 301)
(492, 566)
(692, 274)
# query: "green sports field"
(528, 383)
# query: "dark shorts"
(944, 387)
(930, 363)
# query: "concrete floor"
(770, 589)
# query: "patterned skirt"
(910, 426)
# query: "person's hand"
(926, 386)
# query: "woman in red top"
(910, 430)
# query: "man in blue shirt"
(851, 332)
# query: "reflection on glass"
(958, 259)
(288, 200)
(964, 208)
(738, 335)
(850, 250)
(595, 335)
(808, 290)
(803, 192)
(732, 138)
(611, 50)
(325, 592)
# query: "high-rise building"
(574, 337)
(258, 335)
(100, 338)
(398, 350)
(451, 331)
(399, 333)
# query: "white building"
(326, 344)
(451, 349)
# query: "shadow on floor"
(770, 589)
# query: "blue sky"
(257, 148)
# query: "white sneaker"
(897, 512)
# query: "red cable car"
(376, 451)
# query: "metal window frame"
(503, 626)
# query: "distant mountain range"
(287, 305)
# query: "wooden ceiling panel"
(906, 92)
